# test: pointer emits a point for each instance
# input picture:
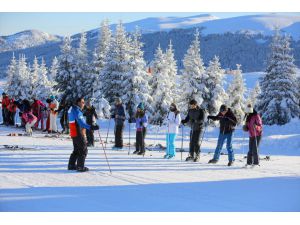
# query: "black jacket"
(196, 118)
(120, 112)
(89, 113)
(227, 122)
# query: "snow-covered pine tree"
(135, 84)
(43, 87)
(278, 102)
(53, 70)
(84, 77)
(117, 65)
(253, 95)
(19, 84)
(33, 78)
(65, 74)
(161, 88)
(192, 75)
(172, 71)
(99, 59)
(11, 76)
(215, 95)
(236, 90)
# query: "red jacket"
(37, 107)
(255, 125)
(12, 107)
(5, 102)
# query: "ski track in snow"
(38, 179)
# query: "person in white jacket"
(53, 114)
(173, 121)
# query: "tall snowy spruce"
(215, 94)
(53, 70)
(65, 76)
(171, 66)
(252, 98)
(117, 66)
(99, 58)
(236, 91)
(43, 87)
(19, 85)
(161, 88)
(135, 82)
(278, 102)
(192, 75)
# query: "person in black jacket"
(228, 122)
(195, 118)
(63, 109)
(91, 118)
(119, 116)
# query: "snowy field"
(37, 179)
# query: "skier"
(53, 114)
(228, 122)
(29, 120)
(91, 118)
(254, 127)
(196, 118)
(11, 109)
(78, 133)
(5, 103)
(173, 122)
(63, 109)
(38, 108)
(119, 116)
(141, 121)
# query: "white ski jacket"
(173, 123)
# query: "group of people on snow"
(82, 129)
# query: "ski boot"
(82, 169)
(213, 161)
(230, 163)
(197, 158)
(136, 152)
(72, 167)
(189, 158)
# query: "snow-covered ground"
(37, 179)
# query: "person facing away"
(253, 125)
(173, 121)
(78, 129)
(91, 118)
(53, 114)
(228, 122)
(141, 122)
(119, 116)
(195, 118)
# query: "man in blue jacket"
(78, 133)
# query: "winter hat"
(52, 97)
(141, 106)
(249, 109)
(3, 93)
(193, 102)
(118, 100)
(223, 108)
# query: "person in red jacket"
(5, 103)
(254, 127)
(12, 109)
(30, 120)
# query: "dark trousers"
(64, 122)
(77, 158)
(253, 156)
(90, 137)
(11, 119)
(140, 140)
(5, 116)
(119, 136)
(194, 142)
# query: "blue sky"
(71, 23)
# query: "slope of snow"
(37, 179)
(26, 39)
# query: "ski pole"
(255, 143)
(107, 131)
(129, 138)
(202, 136)
(181, 150)
(104, 151)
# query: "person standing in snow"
(196, 119)
(12, 109)
(254, 126)
(91, 118)
(53, 114)
(5, 103)
(141, 121)
(173, 122)
(228, 122)
(78, 129)
(119, 116)
(63, 109)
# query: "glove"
(130, 120)
(95, 127)
(141, 123)
(183, 122)
(20, 114)
(209, 117)
(112, 116)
